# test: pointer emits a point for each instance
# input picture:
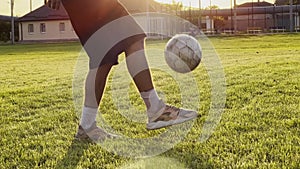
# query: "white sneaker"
(169, 115)
(94, 133)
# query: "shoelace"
(172, 108)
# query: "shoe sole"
(162, 124)
(89, 139)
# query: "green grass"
(260, 127)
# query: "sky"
(23, 6)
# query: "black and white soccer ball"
(183, 53)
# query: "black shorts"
(108, 23)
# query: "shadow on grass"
(74, 154)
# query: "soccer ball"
(183, 53)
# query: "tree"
(212, 7)
(174, 7)
(286, 2)
(4, 31)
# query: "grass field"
(260, 127)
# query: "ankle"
(151, 99)
(88, 117)
(155, 112)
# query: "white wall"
(52, 31)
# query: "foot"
(94, 133)
(169, 115)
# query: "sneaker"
(94, 133)
(169, 115)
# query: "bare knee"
(136, 46)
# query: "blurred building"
(251, 15)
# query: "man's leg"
(141, 74)
(139, 70)
(94, 88)
(159, 114)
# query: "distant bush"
(4, 31)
